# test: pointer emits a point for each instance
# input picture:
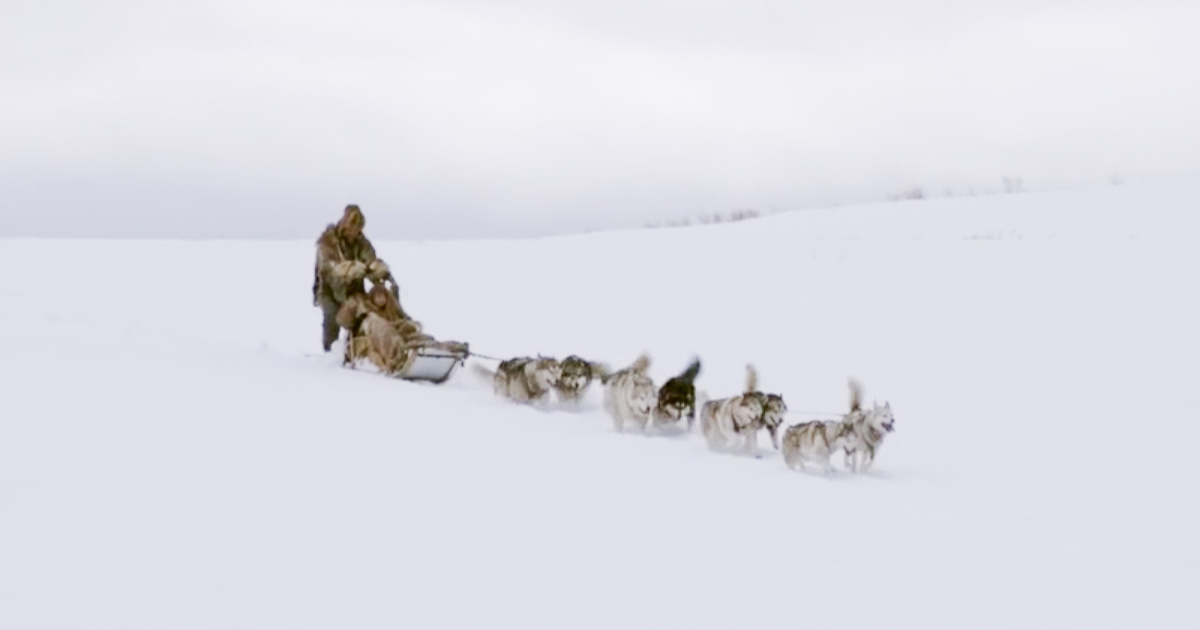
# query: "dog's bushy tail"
(692, 371)
(855, 396)
(751, 379)
(599, 370)
(642, 363)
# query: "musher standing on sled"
(344, 258)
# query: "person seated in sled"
(345, 258)
(378, 329)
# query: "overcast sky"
(263, 118)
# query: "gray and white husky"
(868, 428)
(730, 423)
(816, 442)
(577, 375)
(525, 379)
(629, 395)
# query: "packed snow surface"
(177, 452)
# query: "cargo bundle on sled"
(383, 335)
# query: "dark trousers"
(330, 328)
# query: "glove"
(350, 270)
(378, 271)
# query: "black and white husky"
(734, 423)
(629, 395)
(677, 398)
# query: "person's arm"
(328, 253)
(334, 270)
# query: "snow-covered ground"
(175, 451)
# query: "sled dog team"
(379, 330)
(728, 424)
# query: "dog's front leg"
(752, 442)
(718, 439)
(868, 459)
(852, 457)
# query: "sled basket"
(433, 361)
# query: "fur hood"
(352, 216)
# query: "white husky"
(868, 428)
(728, 421)
(630, 395)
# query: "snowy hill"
(175, 451)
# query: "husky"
(525, 379)
(868, 428)
(677, 398)
(577, 376)
(629, 395)
(816, 442)
(730, 420)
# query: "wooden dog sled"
(384, 336)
